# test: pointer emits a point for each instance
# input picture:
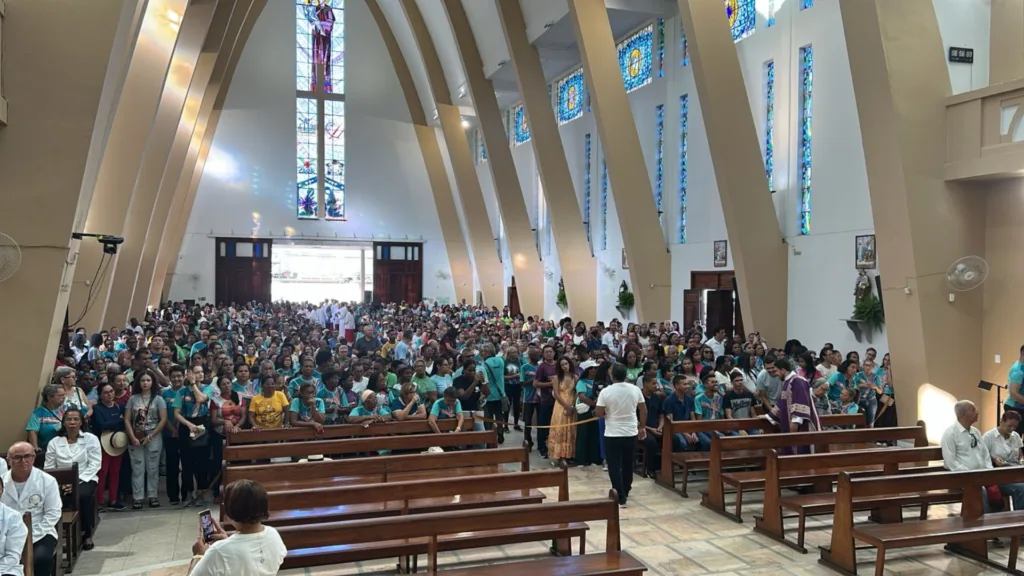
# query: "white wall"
(965, 24)
(249, 183)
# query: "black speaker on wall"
(878, 289)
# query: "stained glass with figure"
(334, 159)
(806, 120)
(769, 123)
(521, 125)
(604, 204)
(636, 58)
(320, 41)
(306, 155)
(742, 16)
(659, 156)
(684, 135)
(570, 92)
(586, 189)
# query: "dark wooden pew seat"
(332, 431)
(616, 563)
(358, 445)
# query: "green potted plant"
(869, 311)
(561, 299)
(626, 299)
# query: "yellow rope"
(499, 422)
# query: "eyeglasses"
(974, 441)
(22, 457)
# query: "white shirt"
(258, 554)
(1006, 448)
(963, 449)
(3, 467)
(717, 347)
(40, 496)
(619, 402)
(359, 385)
(12, 541)
(86, 452)
(827, 373)
(350, 319)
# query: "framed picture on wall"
(721, 253)
(625, 263)
(865, 252)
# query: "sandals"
(154, 503)
(137, 505)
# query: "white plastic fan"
(10, 257)
(967, 273)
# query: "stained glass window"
(481, 147)
(742, 18)
(806, 117)
(805, 4)
(771, 13)
(604, 204)
(684, 48)
(586, 189)
(769, 123)
(334, 159)
(684, 134)
(320, 107)
(571, 90)
(636, 58)
(521, 125)
(661, 47)
(659, 156)
(306, 148)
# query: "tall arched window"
(320, 109)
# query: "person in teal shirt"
(305, 377)
(708, 404)
(843, 378)
(369, 410)
(423, 383)
(493, 368)
(45, 420)
(407, 405)
(307, 409)
(446, 408)
(442, 377)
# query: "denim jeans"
(1011, 493)
(681, 444)
(869, 405)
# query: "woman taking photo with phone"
(253, 550)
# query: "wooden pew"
(377, 469)
(805, 467)
(714, 496)
(967, 534)
(354, 502)
(618, 563)
(693, 460)
(411, 535)
(357, 445)
(71, 521)
(342, 431)
(26, 553)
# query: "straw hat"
(314, 458)
(114, 443)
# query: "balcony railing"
(985, 133)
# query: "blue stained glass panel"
(771, 13)
(604, 204)
(636, 58)
(805, 4)
(769, 123)
(806, 118)
(521, 125)
(482, 145)
(684, 47)
(661, 47)
(742, 17)
(571, 91)
(586, 189)
(306, 158)
(684, 134)
(320, 40)
(334, 159)
(659, 156)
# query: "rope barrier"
(567, 425)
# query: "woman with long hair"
(562, 438)
(633, 366)
(74, 446)
(887, 400)
(145, 417)
(228, 415)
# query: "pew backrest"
(356, 445)
(888, 457)
(762, 424)
(67, 480)
(822, 438)
(27, 561)
(341, 431)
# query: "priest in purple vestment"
(794, 411)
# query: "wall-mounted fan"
(10, 257)
(967, 273)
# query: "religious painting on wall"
(721, 253)
(865, 252)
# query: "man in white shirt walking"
(717, 343)
(28, 489)
(618, 405)
(964, 449)
(12, 539)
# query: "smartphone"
(207, 526)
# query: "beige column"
(526, 264)
(451, 231)
(579, 269)
(650, 266)
(489, 271)
(120, 166)
(1006, 41)
(757, 249)
(172, 169)
(194, 27)
(49, 157)
(244, 17)
(922, 224)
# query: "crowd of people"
(169, 389)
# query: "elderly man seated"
(28, 489)
(964, 448)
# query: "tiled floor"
(671, 534)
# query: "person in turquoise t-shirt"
(447, 407)
(526, 374)
(305, 377)
(369, 410)
(843, 378)
(307, 410)
(493, 368)
(1015, 396)
(708, 404)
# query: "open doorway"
(713, 301)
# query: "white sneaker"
(604, 468)
(623, 505)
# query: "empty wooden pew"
(617, 563)
(822, 441)
(693, 460)
(966, 534)
(372, 444)
(412, 535)
(358, 501)
(804, 468)
(341, 431)
(299, 475)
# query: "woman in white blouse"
(70, 446)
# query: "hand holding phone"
(207, 527)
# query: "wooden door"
(719, 312)
(397, 272)
(243, 270)
(691, 308)
(513, 298)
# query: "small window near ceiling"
(223, 249)
(398, 253)
(266, 249)
(416, 252)
(257, 250)
(243, 249)
(380, 250)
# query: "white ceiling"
(549, 27)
